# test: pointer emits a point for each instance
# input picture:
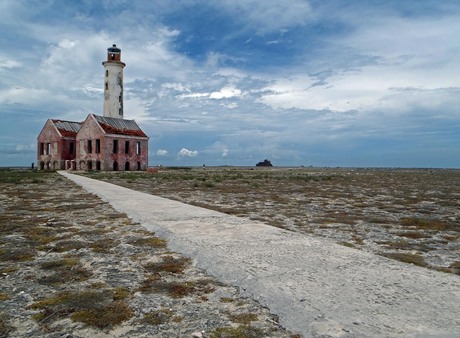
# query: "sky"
(347, 83)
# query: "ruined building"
(108, 142)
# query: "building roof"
(67, 128)
(116, 126)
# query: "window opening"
(90, 146)
(71, 148)
(48, 149)
(98, 146)
(42, 149)
(127, 166)
(98, 165)
(138, 148)
(115, 146)
(126, 147)
(115, 166)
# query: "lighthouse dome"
(114, 49)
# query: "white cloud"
(187, 153)
(225, 152)
(25, 147)
(269, 15)
(225, 93)
(162, 152)
(9, 64)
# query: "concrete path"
(316, 287)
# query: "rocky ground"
(412, 215)
(70, 266)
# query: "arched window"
(115, 166)
(98, 165)
(138, 165)
(90, 165)
(127, 166)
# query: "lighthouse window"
(106, 86)
(106, 73)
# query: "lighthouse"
(113, 83)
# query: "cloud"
(225, 93)
(269, 15)
(162, 152)
(289, 81)
(9, 64)
(187, 153)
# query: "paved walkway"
(316, 287)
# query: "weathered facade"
(113, 83)
(108, 143)
(57, 144)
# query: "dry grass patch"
(226, 300)
(410, 258)
(158, 317)
(94, 308)
(173, 289)
(244, 331)
(168, 264)
(414, 235)
(67, 245)
(67, 270)
(427, 224)
(17, 255)
(154, 242)
(104, 245)
(243, 318)
(5, 328)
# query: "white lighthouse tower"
(113, 83)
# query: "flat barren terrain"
(411, 215)
(71, 266)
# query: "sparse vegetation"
(4, 296)
(168, 264)
(243, 318)
(5, 328)
(94, 308)
(81, 261)
(411, 258)
(154, 242)
(348, 205)
(244, 331)
(158, 317)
